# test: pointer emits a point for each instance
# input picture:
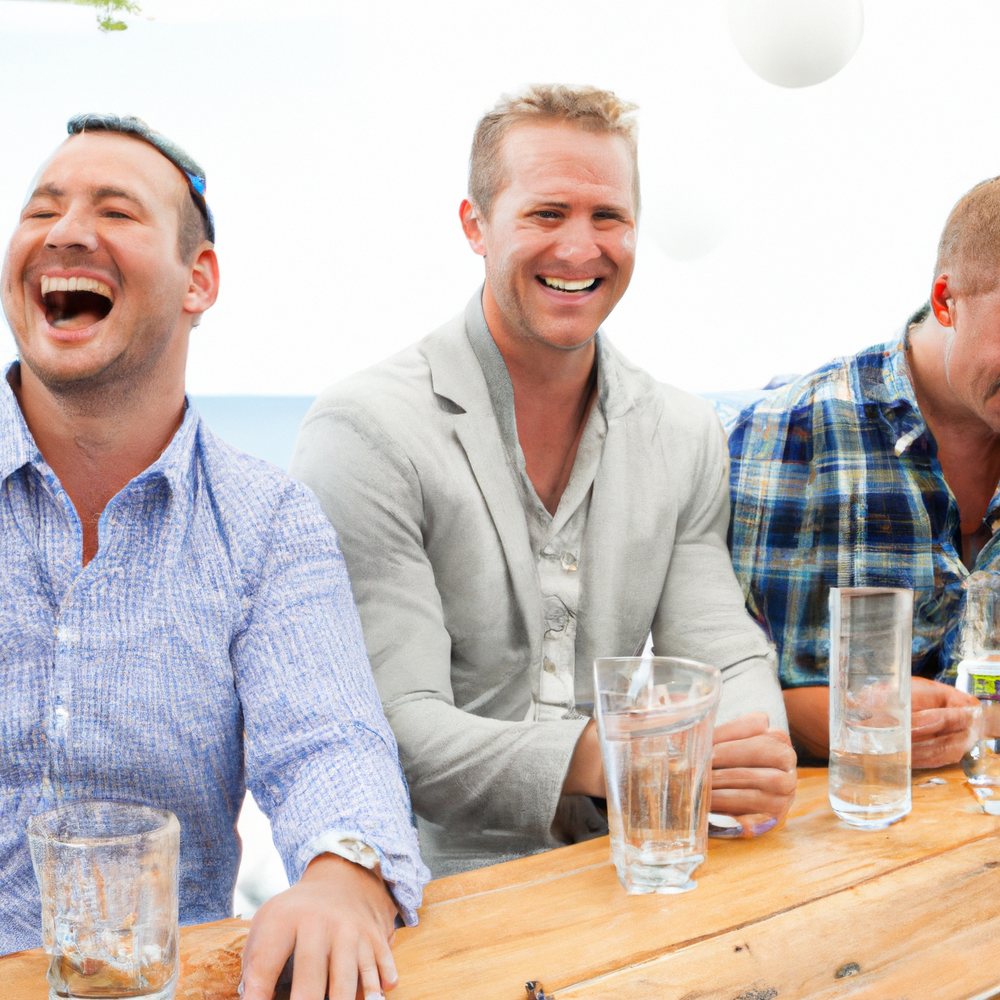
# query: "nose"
(72, 231)
(577, 241)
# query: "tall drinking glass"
(108, 877)
(655, 717)
(870, 650)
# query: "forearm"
(471, 773)
(808, 711)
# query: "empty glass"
(108, 877)
(870, 655)
(655, 718)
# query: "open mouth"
(575, 287)
(75, 303)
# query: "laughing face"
(560, 241)
(93, 285)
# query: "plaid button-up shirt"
(836, 483)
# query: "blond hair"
(969, 250)
(588, 108)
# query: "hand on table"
(944, 723)
(338, 920)
(753, 772)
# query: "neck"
(554, 389)
(97, 442)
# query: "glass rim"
(166, 818)
(869, 591)
(710, 673)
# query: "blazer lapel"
(457, 376)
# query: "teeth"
(569, 286)
(76, 285)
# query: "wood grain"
(907, 913)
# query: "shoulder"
(834, 392)
(659, 405)
(248, 496)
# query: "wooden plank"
(930, 929)
(565, 919)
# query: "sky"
(335, 138)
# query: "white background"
(335, 137)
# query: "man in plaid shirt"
(881, 470)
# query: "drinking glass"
(655, 716)
(108, 878)
(979, 674)
(870, 655)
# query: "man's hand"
(944, 724)
(753, 772)
(944, 721)
(338, 921)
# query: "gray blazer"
(409, 464)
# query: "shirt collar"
(892, 391)
(18, 448)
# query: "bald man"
(881, 469)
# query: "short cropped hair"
(196, 223)
(969, 250)
(587, 108)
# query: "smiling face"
(560, 241)
(93, 286)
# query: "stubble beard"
(515, 310)
(112, 385)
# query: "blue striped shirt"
(212, 644)
(836, 483)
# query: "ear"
(472, 227)
(203, 289)
(942, 300)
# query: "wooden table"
(813, 910)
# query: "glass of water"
(655, 716)
(108, 878)
(870, 656)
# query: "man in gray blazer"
(514, 498)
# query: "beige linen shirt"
(410, 463)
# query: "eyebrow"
(113, 192)
(616, 209)
(97, 194)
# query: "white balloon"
(796, 43)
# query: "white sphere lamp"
(796, 43)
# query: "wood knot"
(851, 969)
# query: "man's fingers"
(269, 944)
(926, 693)
(771, 780)
(742, 801)
(933, 722)
(386, 963)
(371, 982)
(941, 750)
(311, 965)
(742, 727)
(756, 751)
(345, 962)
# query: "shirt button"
(68, 635)
(569, 562)
(62, 717)
(548, 666)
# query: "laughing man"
(514, 498)
(175, 618)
